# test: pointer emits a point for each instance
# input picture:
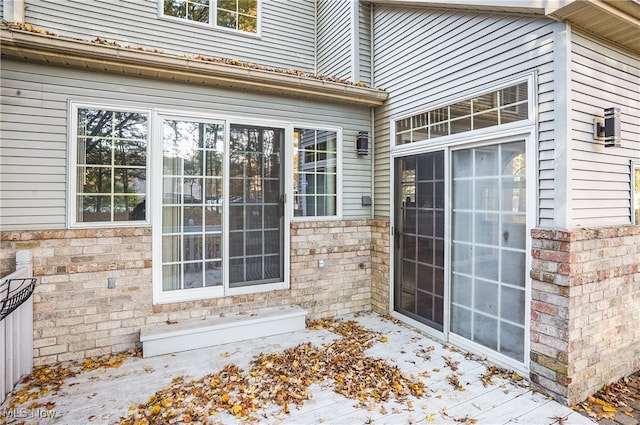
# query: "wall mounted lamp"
(608, 129)
(362, 143)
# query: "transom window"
(500, 107)
(315, 172)
(239, 15)
(110, 167)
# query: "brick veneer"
(380, 266)
(585, 306)
(585, 309)
(77, 316)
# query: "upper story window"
(239, 15)
(499, 107)
(109, 154)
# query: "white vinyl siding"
(602, 77)
(286, 41)
(364, 43)
(427, 57)
(33, 169)
(334, 38)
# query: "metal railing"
(16, 323)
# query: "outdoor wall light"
(362, 143)
(609, 128)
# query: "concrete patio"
(107, 395)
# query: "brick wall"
(585, 309)
(77, 316)
(380, 266)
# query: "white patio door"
(460, 238)
(488, 247)
(222, 225)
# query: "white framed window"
(635, 192)
(108, 163)
(501, 106)
(315, 172)
(237, 15)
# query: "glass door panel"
(256, 222)
(191, 214)
(419, 233)
(488, 247)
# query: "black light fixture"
(610, 130)
(362, 143)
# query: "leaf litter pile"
(282, 379)
(278, 380)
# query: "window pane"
(247, 23)
(492, 109)
(315, 172)
(460, 109)
(192, 195)
(486, 297)
(113, 164)
(177, 8)
(198, 12)
(484, 103)
(511, 338)
(485, 119)
(238, 14)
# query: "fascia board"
(53, 50)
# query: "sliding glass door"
(488, 248)
(419, 228)
(256, 213)
(460, 232)
(222, 208)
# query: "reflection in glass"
(255, 206)
(489, 246)
(315, 172)
(192, 204)
(420, 214)
(111, 161)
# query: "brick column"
(380, 266)
(585, 309)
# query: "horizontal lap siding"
(601, 184)
(364, 41)
(33, 164)
(427, 58)
(334, 38)
(287, 39)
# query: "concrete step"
(166, 338)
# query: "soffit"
(615, 20)
(42, 48)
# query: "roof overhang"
(536, 7)
(53, 50)
(614, 20)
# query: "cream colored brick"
(53, 349)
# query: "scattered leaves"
(425, 353)
(283, 379)
(613, 398)
(48, 379)
(497, 372)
